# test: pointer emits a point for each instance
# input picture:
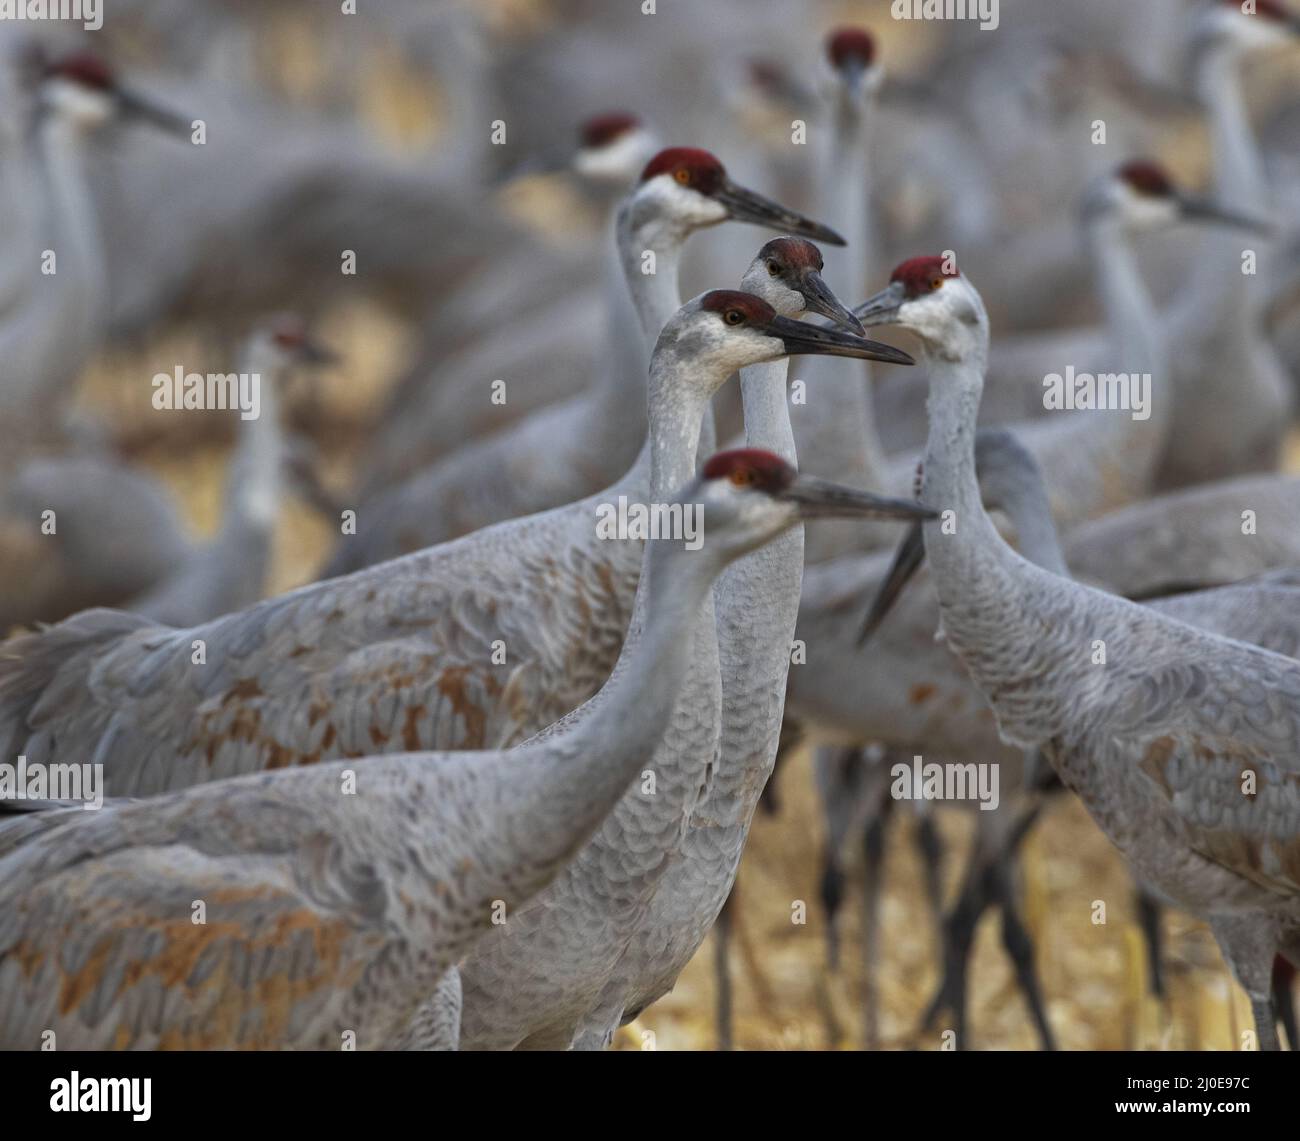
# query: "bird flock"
(606, 551)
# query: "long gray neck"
(1238, 170)
(566, 785)
(1219, 288)
(836, 428)
(1137, 338)
(767, 409)
(617, 410)
(79, 280)
(254, 478)
(677, 407)
(1131, 315)
(656, 296)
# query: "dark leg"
(873, 875)
(1284, 999)
(722, 971)
(930, 845)
(832, 894)
(1020, 947)
(958, 937)
(1149, 912)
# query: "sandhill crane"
(574, 324)
(551, 458)
(230, 572)
(58, 320)
(1231, 395)
(1260, 611)
(648, 933)
(303, 871)
(835, 429)
(480, 642)
(1182, 746)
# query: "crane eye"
(936, 283)
(682, 175)
(734, 317)
(742, 477)
(773, 268)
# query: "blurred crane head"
(285, 340)
(685, 189)
(1140, 195)
(787, 275)
(613, 148)
(851, 54)
(1227, 23)
(83, 90)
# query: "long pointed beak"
(313, 352)
(818, 297)
(907, 560)
(802, 339)
(821, 499)
(1195, 209)
(746, 206)
(145, 110)
(882, 308)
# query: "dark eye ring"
(773, 268)
(734, 317)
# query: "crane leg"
(958, 937)
(1149, 912)
(1249, 947)
(1284, 999)
(930, 844)
(832, 897)
(1020, 949)
(722, 1010)
(872, 879)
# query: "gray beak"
(882, 308)
(746, 206)
(312, 352)
(1195, 209)
(142, 109)
(820, 499)
(818, 297)
(802, 339)
(907, 561)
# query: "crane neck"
(650, 249)
(73, 222)
(1131, 315)
(1238, 170)
(767, 408)
(678, 401)
(255, 474)
(620, 394)
(564, 785)
(837, 426)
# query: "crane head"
(750, 496)
(83, 89)
(686, 188)
(613, 148)
(286, 340)
(1247, 28)
(724, 330)
(787, 275)
(1141, 195)
(930, 297)
(851, 53)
